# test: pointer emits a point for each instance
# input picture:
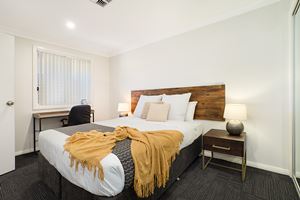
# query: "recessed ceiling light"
(70, 25)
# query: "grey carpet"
(214, 183)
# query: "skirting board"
(262, 166)
(25, 151)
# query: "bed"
(67, 184)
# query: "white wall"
(23, 106)
(248, 53)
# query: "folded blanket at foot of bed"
(152, 153)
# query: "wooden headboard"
(211, 99)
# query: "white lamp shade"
(123, 107)
(235, 112)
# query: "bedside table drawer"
(229, 147)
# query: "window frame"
(35, 104)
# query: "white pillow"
(189, 116)
(178, 105)
(143, 99)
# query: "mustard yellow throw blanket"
(152, 154)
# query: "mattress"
(51, 146)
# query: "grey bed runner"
(122, 149)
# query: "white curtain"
(62, 80)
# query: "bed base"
(65, 190)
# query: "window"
(60, 80)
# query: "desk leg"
(93, 117)
(34, 128)
(40, 129)
(40, 125)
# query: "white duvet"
(51, 144)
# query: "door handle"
(10, 103)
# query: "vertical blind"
(62, 80)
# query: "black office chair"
(78, 115)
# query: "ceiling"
(120, 26)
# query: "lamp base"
(234, 127)
(123, 115)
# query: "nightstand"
(221, 142)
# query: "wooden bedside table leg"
(244, 167)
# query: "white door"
(7, 113)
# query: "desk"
(47, 115)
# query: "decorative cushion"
(158, 112)
(146, 108)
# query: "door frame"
(296, 5)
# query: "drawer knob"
(223, 148)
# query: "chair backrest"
(80, 115)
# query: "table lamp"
(123, 109)
(235, 113)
